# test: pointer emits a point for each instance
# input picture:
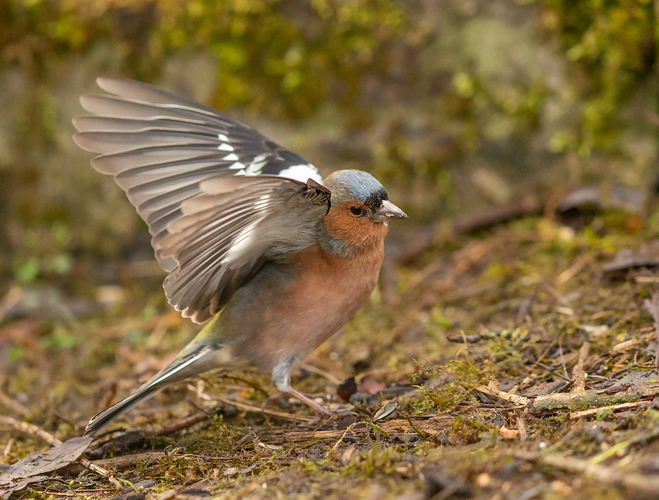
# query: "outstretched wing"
(219, 198)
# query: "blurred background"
(455, 105)
(459, 107)
(470, 112)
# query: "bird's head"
(360, 209)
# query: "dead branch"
(301, 436)
(506, 396)
(594, 411)
(576, 401)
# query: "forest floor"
(514, 363)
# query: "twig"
(379, 429)
(464, 339)
(573, 401)
(423, 435)
(560, 350)
(578, 373)
(184, 424)
(126, 461)
(12, 298)
(335, 448)
(296, 437)
(595, 411)
(583, 400)
(29, 429)
(506, 396)
(554, 372)
(539, 360)
(53, 441)
(521, 426)
(573, 270)
(14, 405)
(79, 492)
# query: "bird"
(270, 256)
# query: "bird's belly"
(294, 319)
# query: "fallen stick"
(506, 396)
(29, 429)
(594, 411)
(576, 401)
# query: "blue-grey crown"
(357, 185)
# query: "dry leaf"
(30, 469)
(508, 433)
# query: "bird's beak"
(388, 211)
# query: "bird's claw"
(320, 411)
(326, 414)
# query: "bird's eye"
(356, 210)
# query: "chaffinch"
(252, 237)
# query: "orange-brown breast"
(326, 292)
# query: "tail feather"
(199, 356)
(104, 417)
(181, 368)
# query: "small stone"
(483, 479)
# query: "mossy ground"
(532, 290)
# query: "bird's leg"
(310, 402)
(282, 380)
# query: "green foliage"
(273, 60)
(613, 46)
(282, 59)
(462, 377)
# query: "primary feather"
(219, 198)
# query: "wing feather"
(219, 198)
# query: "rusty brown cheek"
(360, 232)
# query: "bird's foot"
(306, 398)
(286, 395)
(321, 412)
